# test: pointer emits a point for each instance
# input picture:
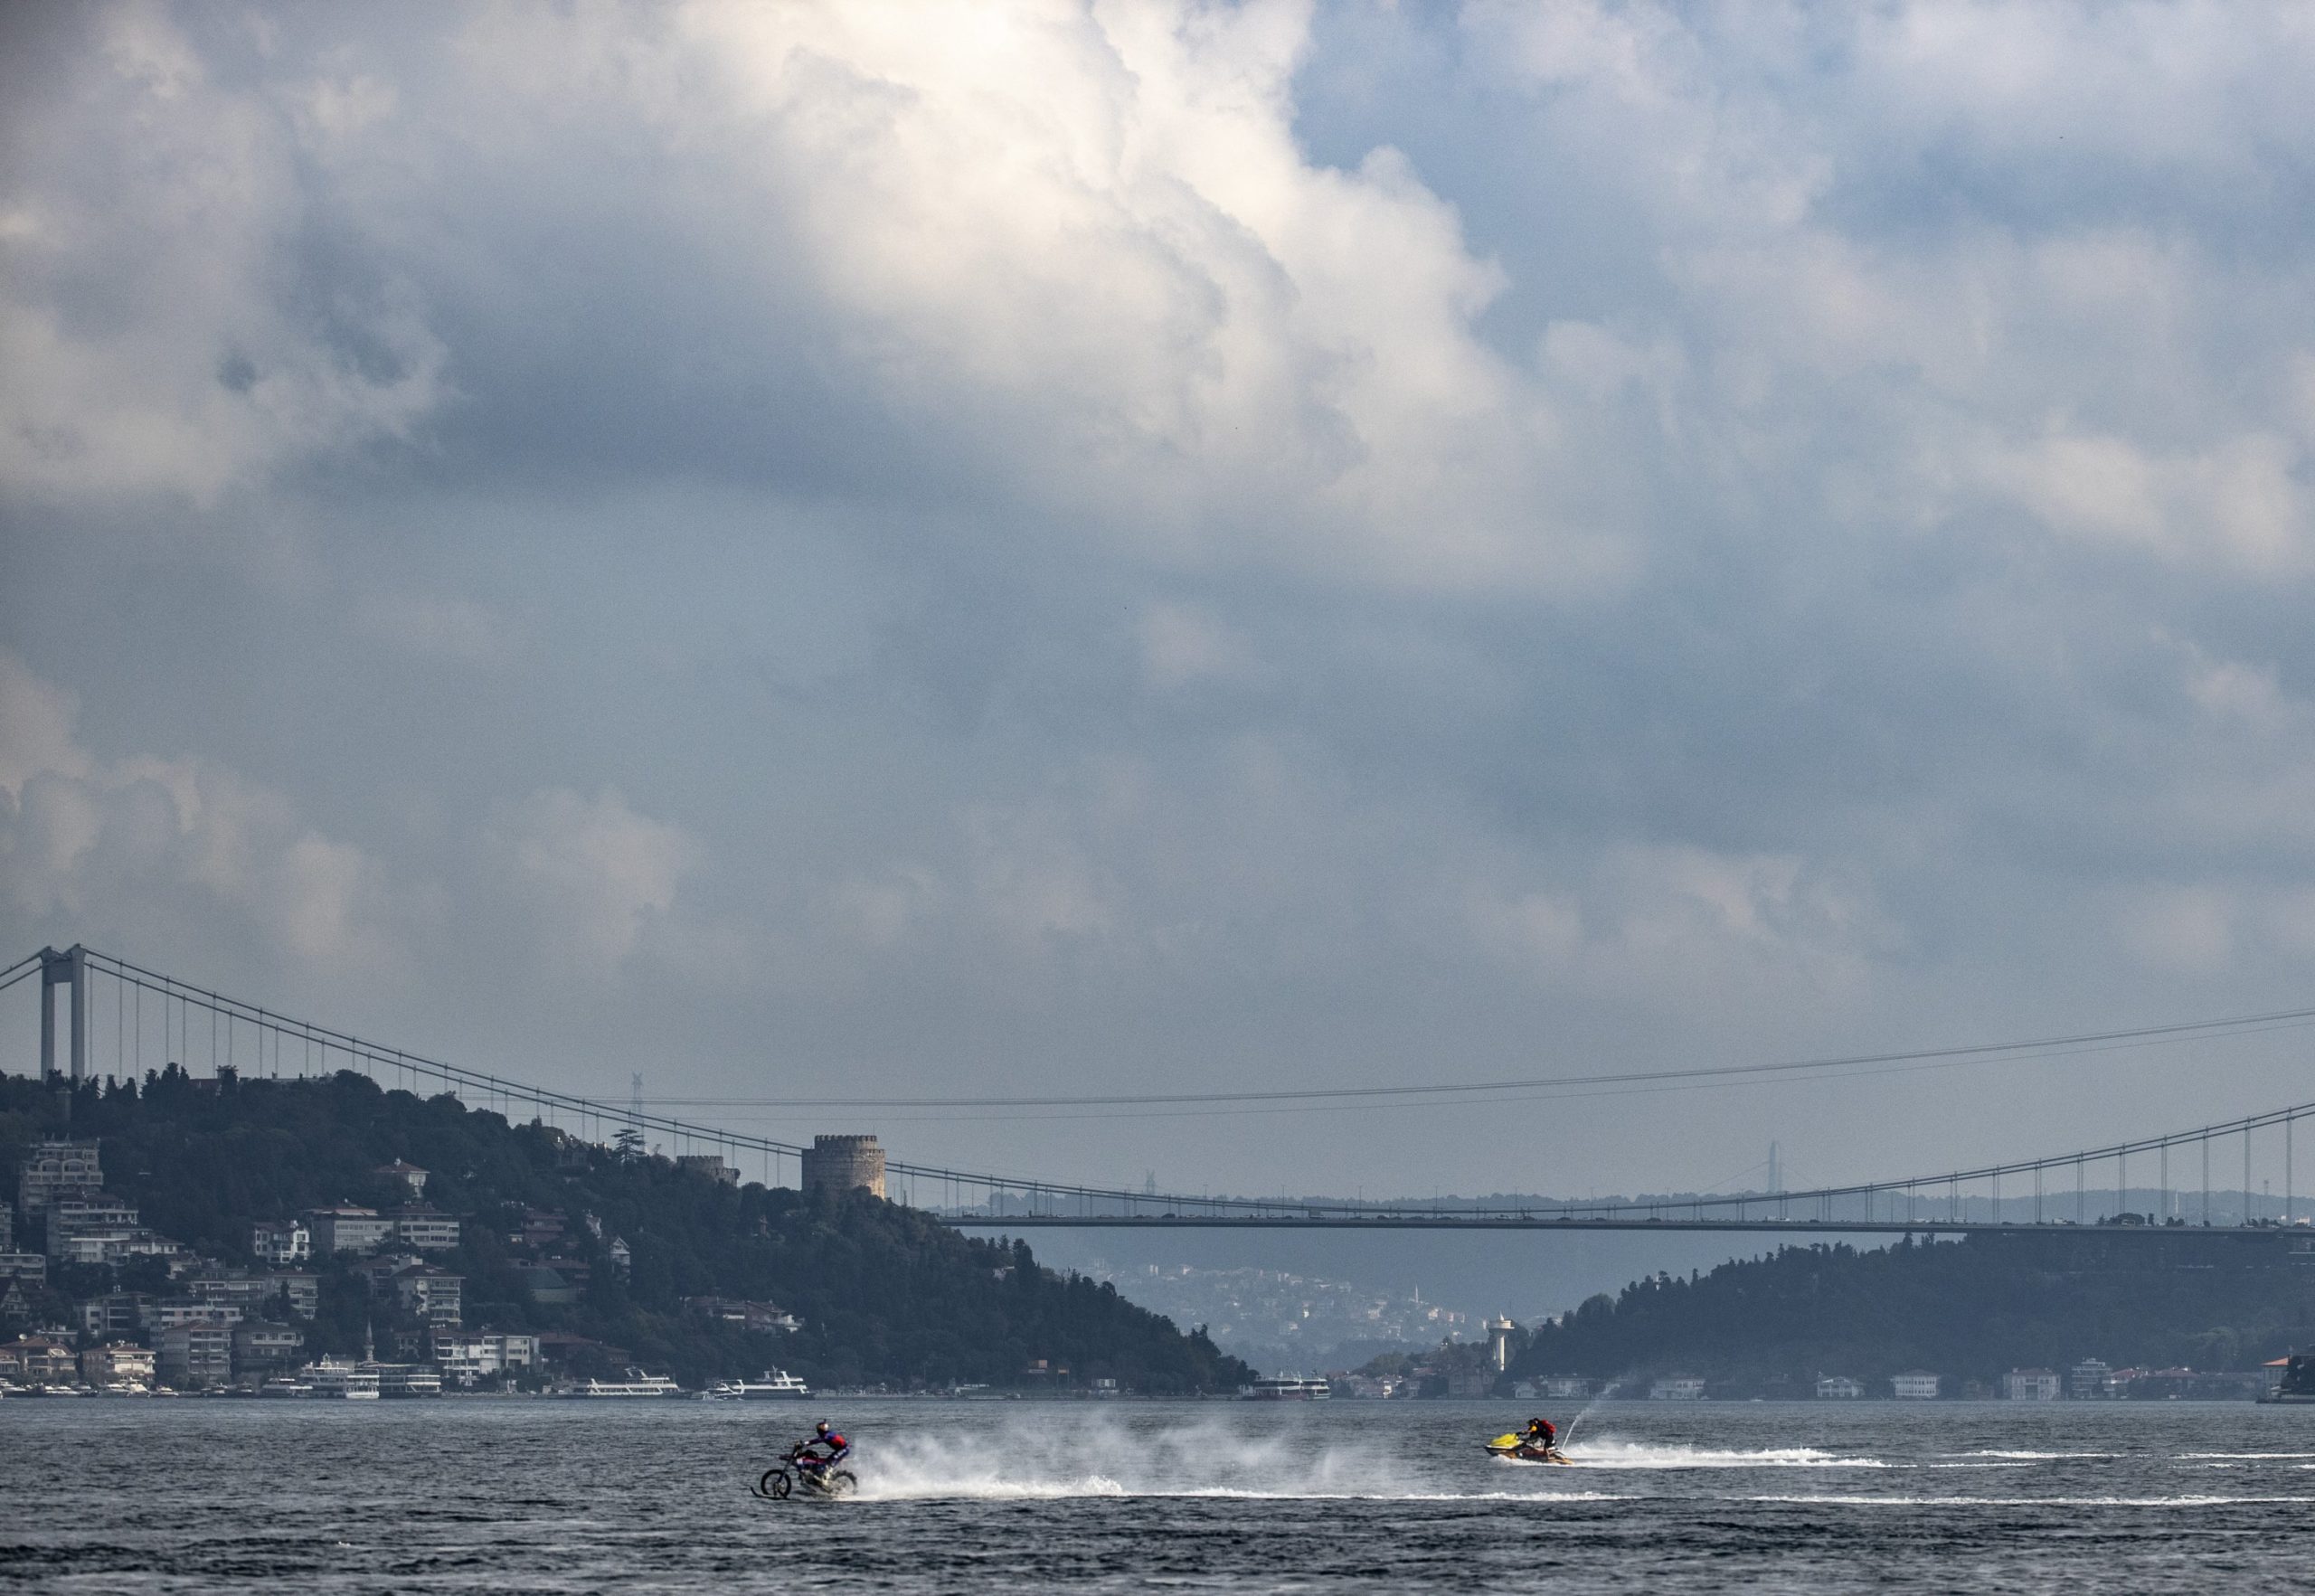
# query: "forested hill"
(1969, 1310)
(887, 1295)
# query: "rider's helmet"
(821, 1427)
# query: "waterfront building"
(2090, 1379)
(38, 1360)
(1677, 1388)
(191, 1355)
(347, 1229)
(57, 1167)
(843, 1163)
(261, 1348)
(1914, 1386)
(430, 1230)
(1839, 1388)
(1567, 1387)
(282, 1240)
(407, 1174)
(466, 1358)
(117, 1363)
(2030, 1385)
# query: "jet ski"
(1518, 1449)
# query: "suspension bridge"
(155, 1018)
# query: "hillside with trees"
(1970, 1309)
(887, 1295)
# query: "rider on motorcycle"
(826, 1435)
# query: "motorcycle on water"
(797, 1468)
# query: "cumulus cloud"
(1191, 537)
(601, 877)
(100, 847)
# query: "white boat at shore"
(772, 1385)
(1288, 1388)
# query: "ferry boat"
(636, 1383)
(773, 1385)
(340, 1377)
(286, 1385)
(1288, 1388)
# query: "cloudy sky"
(1023, 549)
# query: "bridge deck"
(1522, 1222)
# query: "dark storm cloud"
(1015, 550)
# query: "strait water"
(506, 1497)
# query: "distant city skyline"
(1134, 551)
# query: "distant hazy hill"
(886, 1294)
(1969, 1310)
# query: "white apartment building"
(347, 1229)
(434, 1295)
(427, 1229)
(260, 1348)
(1914, 1386)
(301, 1291)
(1677, 1388)
(119, 1313)
(113, 1246)
(77, 1219)
(282, 1240)
(2088, 1380)
(189, 1356)
(178, 1311)
(2030, 1385)
(57, 1169)
(118, 1363)
(466, 1358)
(1839, 1388)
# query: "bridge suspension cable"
(982, 1198)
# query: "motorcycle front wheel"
(774, 1484)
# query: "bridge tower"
(68, 968)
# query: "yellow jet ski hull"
(1518, 1451)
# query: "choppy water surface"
(534, 1496)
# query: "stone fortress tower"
(839, 1163)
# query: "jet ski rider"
(1541, 1436)
(823, 1434)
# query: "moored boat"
(772, 1385)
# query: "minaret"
(1499, 1340)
